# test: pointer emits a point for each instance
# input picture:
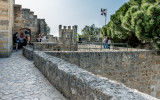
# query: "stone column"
(6, 27)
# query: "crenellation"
(35, 16)
(69, 27)
(64, 27)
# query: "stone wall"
(28, 52)
(24, 18)
(6, 27)
(68, 33)
(78, 84)
(136, 69)
(18, 21)
(42, 26)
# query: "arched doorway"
(27, 32)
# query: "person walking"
(109, 42)
(22, 40)
(105, 42)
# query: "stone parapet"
(28, 52)
(78, 84)
(136, 69)
(51, 46)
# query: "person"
(39, 38)
(105, 42)
(22, 40)
(43, 38)
(16, 41)
(27, 33)
(109, 42)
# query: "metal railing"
(85, 46)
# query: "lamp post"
(104, 13)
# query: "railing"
(99, 46)
(85, 46)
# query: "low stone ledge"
(28, 53)
(78, 84)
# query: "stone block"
(158, 94)
(141, 56)
(3, 42)
(4, 22)
(3, 5)
(3, 28)
(4, 17)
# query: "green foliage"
(48, 30)
(134, 22)
(90, 32)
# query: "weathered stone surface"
(78, 84)
(136, 69)
(4, 22)
(28, 53)
(24, 18)
(6, 25)
(21, 80)
(51, 46)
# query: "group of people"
(41, 38)
(107, 42)
(21, 39)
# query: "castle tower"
(60, 30)
(67, 33)
(6, 27)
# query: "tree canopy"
(90, 32)
(135, 22)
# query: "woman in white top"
(43, 38)
(109, 42)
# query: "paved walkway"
(21, 80)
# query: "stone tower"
(13, 18)
(68, 33)
(6, 27)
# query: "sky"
(72, 12)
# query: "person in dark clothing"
(16, 41)
(27, 33)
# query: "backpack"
(106, 40)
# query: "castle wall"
(138, 70)
(24, 18)
(42, 26)
(50, 46)
(6, 27)
(18, 21)
(78, 84)
(67, 34)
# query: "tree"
(90, 32)
(136, 21)
(48, 30)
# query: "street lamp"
(104, 13)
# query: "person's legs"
(16, 46)
(108, 46)
(28, 40)
(104, 45)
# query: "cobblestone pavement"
(21, 80)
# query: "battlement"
(18, 6)
(67, 27)
(35, 16)
(25, 10)
(32, 13)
